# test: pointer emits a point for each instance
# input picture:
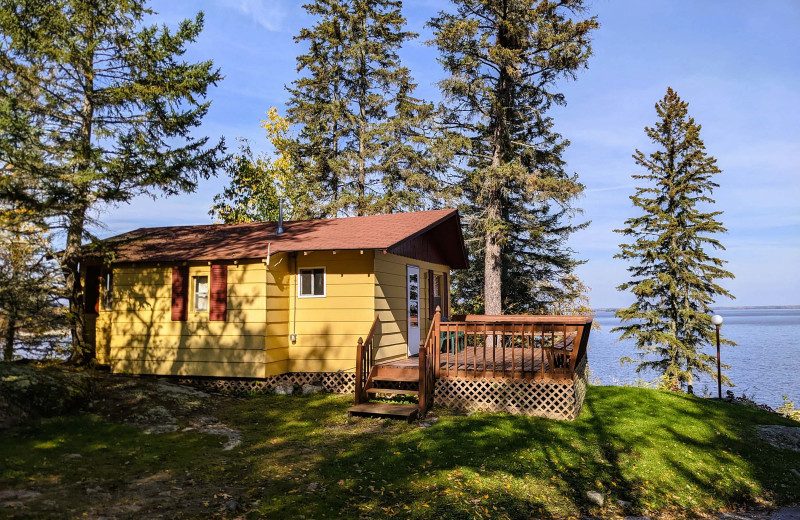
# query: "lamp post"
(716, 320)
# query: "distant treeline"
(739, 308)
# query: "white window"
(312, 282)
(200, 293)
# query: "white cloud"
(270, 14)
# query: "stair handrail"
(365, 360)
(428, 363)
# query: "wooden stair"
(383, 380)
(391, 391)
(386, 410)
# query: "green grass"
(301, 456)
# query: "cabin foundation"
(333, 382)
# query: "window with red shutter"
(218, 293)
(180, 292)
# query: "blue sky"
(737, 64)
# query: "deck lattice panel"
(554, 400)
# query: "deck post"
(423, 379)
(359, 370)
(437, 339)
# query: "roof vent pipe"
(280, 216)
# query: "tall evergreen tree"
(674, 276)
(363, 135)
(504, 59)
(96, 108)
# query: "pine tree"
(96, 108)
(504, 59)
(363, 135)
(674, 278)
(259, 182)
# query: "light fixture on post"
(716, 320)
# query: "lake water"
(765, 365)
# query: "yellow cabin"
(255, 301)
(355, 304)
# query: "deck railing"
(508, 347)
(427, 365)
(365, 360)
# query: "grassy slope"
(659, 451)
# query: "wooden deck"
(510, 350)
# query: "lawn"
(301, 457)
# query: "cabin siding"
(141, 337)
(276, 315)
(391, 303)
(327, 328)
(138, 335)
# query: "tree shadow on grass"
(515, 466)
(462, 467)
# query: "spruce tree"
(673, 270)
(504, 60)
(363, 135)
(96, 108)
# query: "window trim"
(324, 282)
(194, 278)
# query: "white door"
(412, 282)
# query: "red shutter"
(446, 295)
(218, 293)
(431, 306)
(91, 293)
(180, 293)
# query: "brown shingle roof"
(251, 240)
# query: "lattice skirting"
(544, 399)
(334, 382)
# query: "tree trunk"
(493, 265)
(362, 175)
(11, 334)
(82, 353)
(362, 124)
(334, 173)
